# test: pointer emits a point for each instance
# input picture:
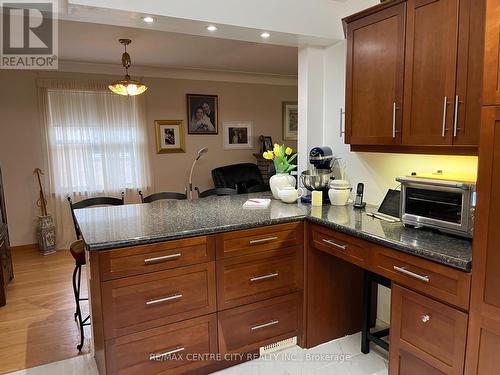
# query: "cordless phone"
(358, 203)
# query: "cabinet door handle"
(394, 109)
(342, 130)
(264, 325)
(334, 244)
(164, 258)
(425, 318)
(412, 274)
(455, 119)
(445, 113)
(264, 277)
(163, 300)
(262, 240)
(161, 356)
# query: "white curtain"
(96, 144)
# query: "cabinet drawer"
(340, 245)
(141, 302)
(438, 281)
(252, 278)
(147, 352)
(246, 328)
(252, 241)
(155, 257)
(430, 330)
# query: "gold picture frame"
(170, 136)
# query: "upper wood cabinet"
(423, 60)
(491, 93)
(430, 72)
(374, 95)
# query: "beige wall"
(20, 135)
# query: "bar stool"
(77, 250)
(367, 336)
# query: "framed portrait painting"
(238, 135)
(170, 136)
(290, 121)
(203, 114)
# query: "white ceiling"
(98, 43)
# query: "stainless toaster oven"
(448, 206)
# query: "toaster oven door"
(437, 207)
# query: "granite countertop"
(135, 224)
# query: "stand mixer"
(318, 178)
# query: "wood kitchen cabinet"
(491, 89)
(375, 60)
(483, 345)
(432, 80)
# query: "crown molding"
(179, 73)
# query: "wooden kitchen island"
(192, 287)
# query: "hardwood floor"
(37, 325)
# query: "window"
(97, 142)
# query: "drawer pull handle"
(164, 258)
(253, 242)
(334, 244)
(164, 299)
(412, 274)
(425, 318)
(161, 356)
(264, 325)
(264, 277)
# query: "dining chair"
(258, 188)
(162, 195)
(77, 249)
(215, 191)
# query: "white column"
(311, 102)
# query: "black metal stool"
(366, 335)
(77, 250)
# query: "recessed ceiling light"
(148, 19)
(211, 28)
(265, 35)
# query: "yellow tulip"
(288, 151)
(277, 150)
(268, 155)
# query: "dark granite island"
(121, 226)
(210, 283)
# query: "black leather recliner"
(237, 176)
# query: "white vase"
(279, 181)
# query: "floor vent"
(277, 346)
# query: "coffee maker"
(319, 176)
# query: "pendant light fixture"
(127, 86)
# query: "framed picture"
(170, 136)
(290, 121)
(268, 144)
(203, 114)
(238, 135)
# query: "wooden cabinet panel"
(246, 328)
(469, 73)
(341, 245)
(334, 300)
(141, 302)
(438, 281)
(251, 241)
(375, 67)
(430, 72)
(146, 352)
(483, 349)
(409, 364)
(138, 260)
(432, 331)
(252, 278)
(491, 93)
